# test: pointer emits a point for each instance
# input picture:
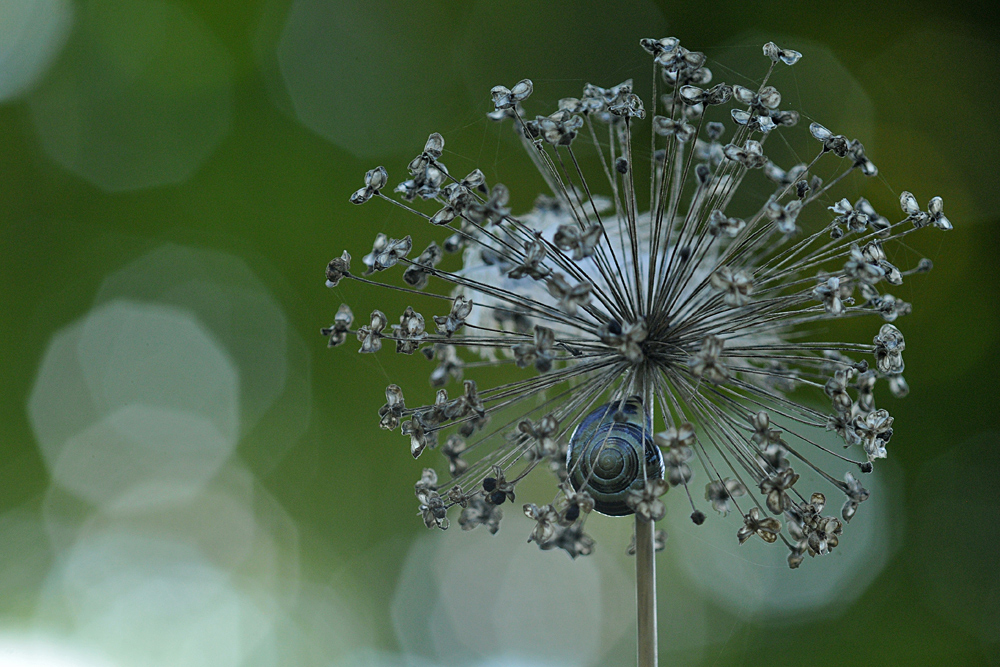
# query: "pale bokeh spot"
(755, 578)
(229, 299)
(137, 595)
(140, 98)
(473, 596)
(43, 650)
(207, 580)
(359, 75)
(132, 395)
(32, 32)
(140, 455)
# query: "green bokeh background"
(917, 82)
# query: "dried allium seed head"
(702, 314)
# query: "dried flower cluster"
(695, 315)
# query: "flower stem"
(645, 591)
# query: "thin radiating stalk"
(645, 591)
(701, 314)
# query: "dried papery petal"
(889, 346)
(392, 411)
(735, 286)
(370, 334)
(765, 528)
(375, 180)
(786, 56)
(646, 501)
(935, 208)
(506, 98)
(341, 326)
(707, 363)
(337, 269)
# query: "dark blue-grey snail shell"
(605, 456)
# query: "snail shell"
(605, 456)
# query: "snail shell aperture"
(606, 453)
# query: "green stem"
(645, 591)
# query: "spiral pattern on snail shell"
(605, 456)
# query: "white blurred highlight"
(135, 394)
(469, 597)
(232, 303)
(32, 33)
(202, 582)
(163, 548)
(37, 650)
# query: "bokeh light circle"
(240, 311)
(32, 32)
(207, 580)
(755, 578)
(140, 98)
(473, 596)
(135, 394)
(328, 53)
(38, 649)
